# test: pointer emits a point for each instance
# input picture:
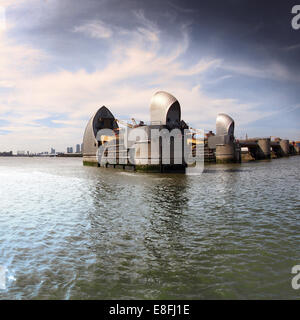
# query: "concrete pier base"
(225, 153)
(90, 161)
(247, 156)
(285, 147)
(264, 149)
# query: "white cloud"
(16, 3)
(148, 24)
(135, 71)
(272, 70)
(17, 61)
(292, 47)
(2, 19)
(6, 84)
(6, 3)
(95, 29)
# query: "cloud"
(2, 19)
(292, 47)
(17, 61)
(95, 29)
(6, 84)
(273, 70)
(42, 106)
(16, 3)
(181, 9)
(6, 3)
(141, 18)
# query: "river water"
(74, 232)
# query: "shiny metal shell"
(102, 119)
(165, 109)
(224, 125)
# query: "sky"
(60, 60)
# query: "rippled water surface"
(74, 232)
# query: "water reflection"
(165, 236)
(88, 233)
(167, 195)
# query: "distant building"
(77, 148)
(20, 153)
(70, 150)
(6, 154)
(52, 151)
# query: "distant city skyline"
(60, 62)
(51, 150)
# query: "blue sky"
(61, 60)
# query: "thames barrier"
(104, 144)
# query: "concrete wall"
(284, 144)
(264, 149)
(225, 153)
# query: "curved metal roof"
(224, 125)
(102, 119)
(164, 109)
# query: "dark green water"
(74, 232)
